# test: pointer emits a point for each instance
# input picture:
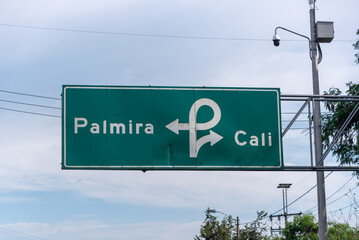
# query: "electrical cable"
(28, 112)
(313, 208)
(303, 113)
(340, 209)
(143, 34)
(295, 120)
(343, 195)
(53, 98)
(29, 95)
(132, 34)
(320, 57)
(300, 196)
(29, 104)
(11, 234)
(340, 188)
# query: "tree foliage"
(305, 227)
(254, 230)
(347, 148)
(302, 227)
(342, 231)
(213, 229)
(356, 47)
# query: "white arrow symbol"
(175, 126)
(193, 126)
(212, 137)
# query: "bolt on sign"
(164, 128)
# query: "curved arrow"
(212, 137)
(192, 126)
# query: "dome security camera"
(276, 40)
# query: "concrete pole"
(322, 211)
(286, 208)
(237, 228)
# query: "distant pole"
(237, 223)
(284, 187)
(322, 211)
(237, 228)
(286, 207)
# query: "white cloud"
(38, 61)
(37, 168)
(47, 12)
(91, 230)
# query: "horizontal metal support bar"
(283, 215)
(285, 168)
(321, 168)
(322, 99)
(317, 96)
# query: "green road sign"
(154, 128)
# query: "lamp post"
(237, 220)
(313, 43)
(284, 187)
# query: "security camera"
(276, 40)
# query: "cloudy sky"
(47, 44)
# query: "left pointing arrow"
(175, 126)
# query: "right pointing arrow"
(212, 137)
(215, 137)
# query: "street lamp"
(284, 187)
(320, 32)
(237, 219)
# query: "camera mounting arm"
(285, 29)
(276, 40)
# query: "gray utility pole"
(320, 32)
(322, 210)
(237, 225)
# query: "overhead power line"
(11, 234)
(340, 188)
(132, 34)
(29, 104)
(313, 208)
(346, 194)
(29, 95)
(340, 209)
(144, 34)
(28, 112)
(308, 191)
(53, 98)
